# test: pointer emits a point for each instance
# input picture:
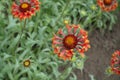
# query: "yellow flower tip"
(79, 26)
(82, 55)
(76, 26)
(113, 55)
(87, 41)
(89, 46)
(64, 59)
(86, 32)
(40, 2)
(70, 59)
(53, 46)
(71, 50)
(66, 22)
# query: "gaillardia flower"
(25, 8)
(72, 39)
(26, 63)
(107, 5)
(115, 62)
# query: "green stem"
(63, 10)
(105, 78)
(20, 35)
(64, 72)
(85, 73)
(81, 74)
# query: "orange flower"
(25, 8)
(107, 5)
(115, 62)
(72, 39)
(26, 63)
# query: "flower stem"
(105, 78)
(63, 10)
(81, 74)
(66, 72)
(85, 73)
(20, 35)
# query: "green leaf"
(66, 73)
(91, 77)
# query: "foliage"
(35, 43)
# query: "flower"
(26, 63)
(115, 62)
(25, 8)
(107, 5)
(72, 39)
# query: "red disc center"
(70, 41)
(108, 2)
(24, 7)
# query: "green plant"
(35, 42)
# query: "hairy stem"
(21, 34)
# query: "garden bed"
(50, 44)
(102, 46)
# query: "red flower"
(107, 5)
(115, 62)
(25, 8)
(72, 39)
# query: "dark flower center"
(70, 41)
(24, 7)
(26, 63)
(108, 2)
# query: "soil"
(99, 55)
